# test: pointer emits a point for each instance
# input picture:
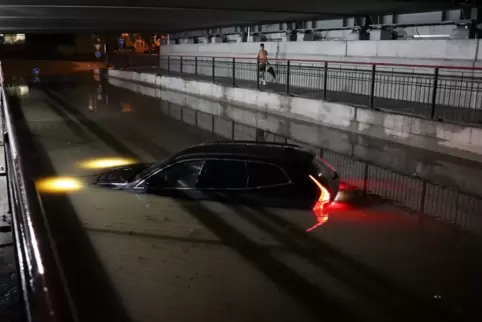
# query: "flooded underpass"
(402, 241)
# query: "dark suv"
(271, 174)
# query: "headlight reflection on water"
(106, 163)
(58, 185)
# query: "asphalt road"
(130, 257)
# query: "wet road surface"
(130, 257)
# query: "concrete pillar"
(381, 34)
(216, 39)
(300, 35)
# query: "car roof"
(249, 150)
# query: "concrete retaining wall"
(445, 138)
(453, 52)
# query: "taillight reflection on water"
(321, 217)
(325, 196)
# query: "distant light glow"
(126, 108)
(341, 196)
(11, 39)
(23, 90)
(430, 36)
(106, 163)
(58, 185)
(19, 90)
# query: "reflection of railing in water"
(44, 295)
(410, 192)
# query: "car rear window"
(264, 174)
(225, 174)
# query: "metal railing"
(44, 295)
(442, 93)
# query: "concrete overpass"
(169, 16)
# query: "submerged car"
(271, 174)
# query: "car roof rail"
(247, 142)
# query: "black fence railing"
(412, 192)
(440, 93)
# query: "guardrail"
(44, 294)
(442, 93)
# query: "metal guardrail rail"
(44, 292)
(441, 93)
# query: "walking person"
(263, 61)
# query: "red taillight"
(325, 196)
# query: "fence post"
(422, 197)
(288, 64)
(158, 67)
(214, 68)
(106, 56)
(168, 65)
(195, 67)
(365, 180)
(325, 82)
(234, 72)
(434, 93)
(372, 88)
(180, 66)
(257, 74)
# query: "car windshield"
(150, 168)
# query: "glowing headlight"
(106, 163)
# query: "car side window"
(223, 174)
(263, 174)
(180, 175)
